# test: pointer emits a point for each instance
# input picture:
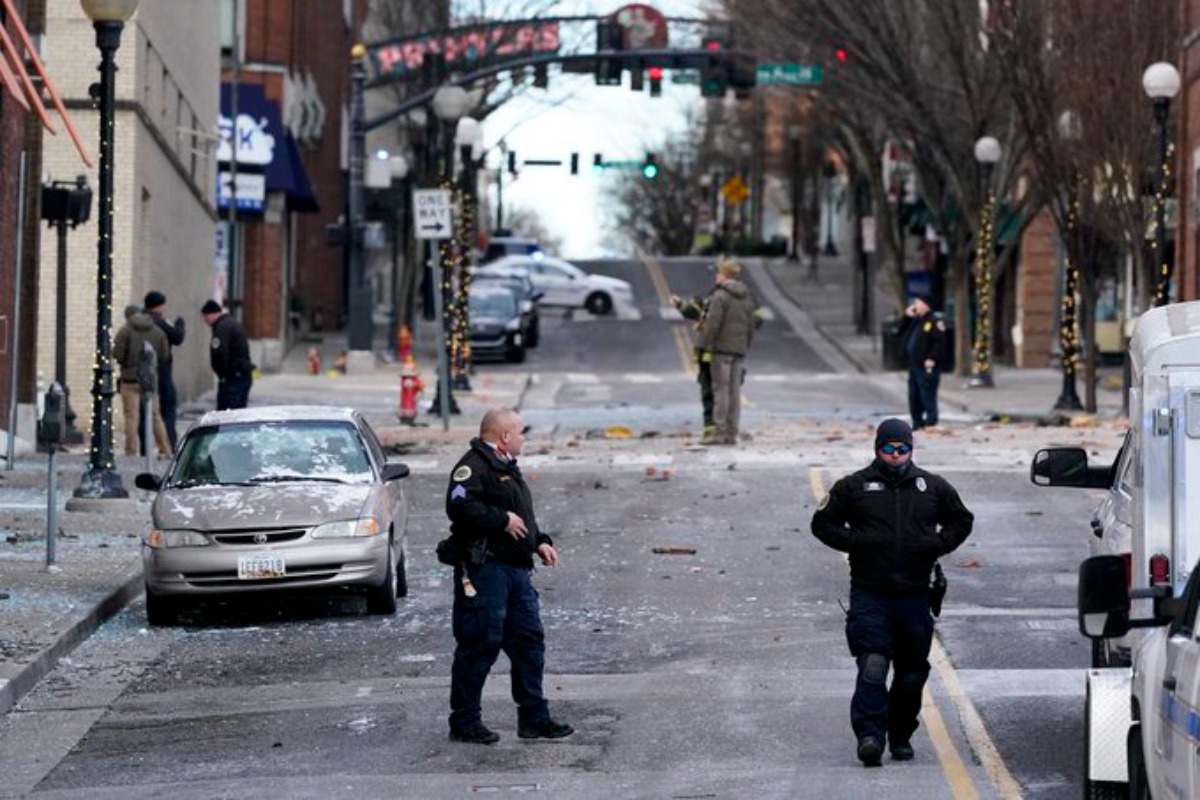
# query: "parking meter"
(53, 425)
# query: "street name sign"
(433, 214)
(790, 74)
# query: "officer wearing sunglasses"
(894, 520)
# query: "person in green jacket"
(725, 338)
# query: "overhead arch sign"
(462, 47)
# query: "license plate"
(252, 568)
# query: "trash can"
(893, 343)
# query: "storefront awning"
(268, 159)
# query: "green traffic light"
(650, 171)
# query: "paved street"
(721, 672)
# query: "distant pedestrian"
(894, 520)
(156, 305)
(925, 350)
(727, 330)
(694, 308)
(493, 526)
(229, 355)
(138, 348)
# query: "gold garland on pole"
(1162, 286)
(1068, 329)
(982, 369)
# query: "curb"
(12, 690)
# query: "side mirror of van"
(1103, 597)
(1067, 466)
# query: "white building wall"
(167, 90)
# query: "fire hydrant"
(411, 385)
(404, 344)
(314, 361)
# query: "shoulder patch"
(462, 473)
(941, 324)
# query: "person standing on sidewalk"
(894, 520)
(495, 605)
(925, 350)
(137, 343)
(229, 355)
(725, 336)
(156, 305)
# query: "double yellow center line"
(683, 341)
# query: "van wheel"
(402, 575)
(381, 599)
(1139, 784)
(598, 303)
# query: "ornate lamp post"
(398, 170)
(450, 103)
(1070, 131)
(987, 153)
(1161, 82)
(468, 135)
(101, 480)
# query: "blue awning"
(264, 148)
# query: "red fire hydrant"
(411, 385)
(314, 361)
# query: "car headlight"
(513, 324)
(367, 526)
(159, 539)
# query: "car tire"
(160, 610)
(535, 332)
(516, 353)
(1139, 783)
(598, 303)
(381, 599)
(402, 575)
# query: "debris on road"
(673, 550)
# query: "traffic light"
(714, 73)
(656, 75)
(541, 76)
(597, 164)
(636, 79)
(512, 162)
(574, 163)
(609, 39)
(650, 167)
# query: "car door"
(558, 286)
(1179, 702)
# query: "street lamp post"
(987, 153)
(450, 103)
(1069, 131)
(468, 135)
(794, 136)
(101, 481)
(398, 170)
(360, 328)
(1161, 82)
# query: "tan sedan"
(276, 498)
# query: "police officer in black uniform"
(894, 520)
(925, 349)
(495, 605)
(229, 356)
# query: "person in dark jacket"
(495, 605)
(925, 350)
(694, 308)
(155, 304)
(726, 332)
(229, 355)
(894, 520)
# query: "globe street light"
(987, 153)
(450, 103)
(101, 481)
(1161, 82)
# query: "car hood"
(212, 508)
(607, 282)
(488, 321)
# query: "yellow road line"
(683, 341)
(961, 786)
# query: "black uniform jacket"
(925, 339)
(893, 529)
(483, 488)
(229, 354)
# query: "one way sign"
(433, 213)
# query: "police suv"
(1142, 723)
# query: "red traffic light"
(841, 55)
(655, 73)
(713, 44)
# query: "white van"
(1143, 724)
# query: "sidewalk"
(44, 613)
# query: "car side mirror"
(394, 470)
(148, 481)
(1067, 466)
(538, 296)
(1103, 597)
